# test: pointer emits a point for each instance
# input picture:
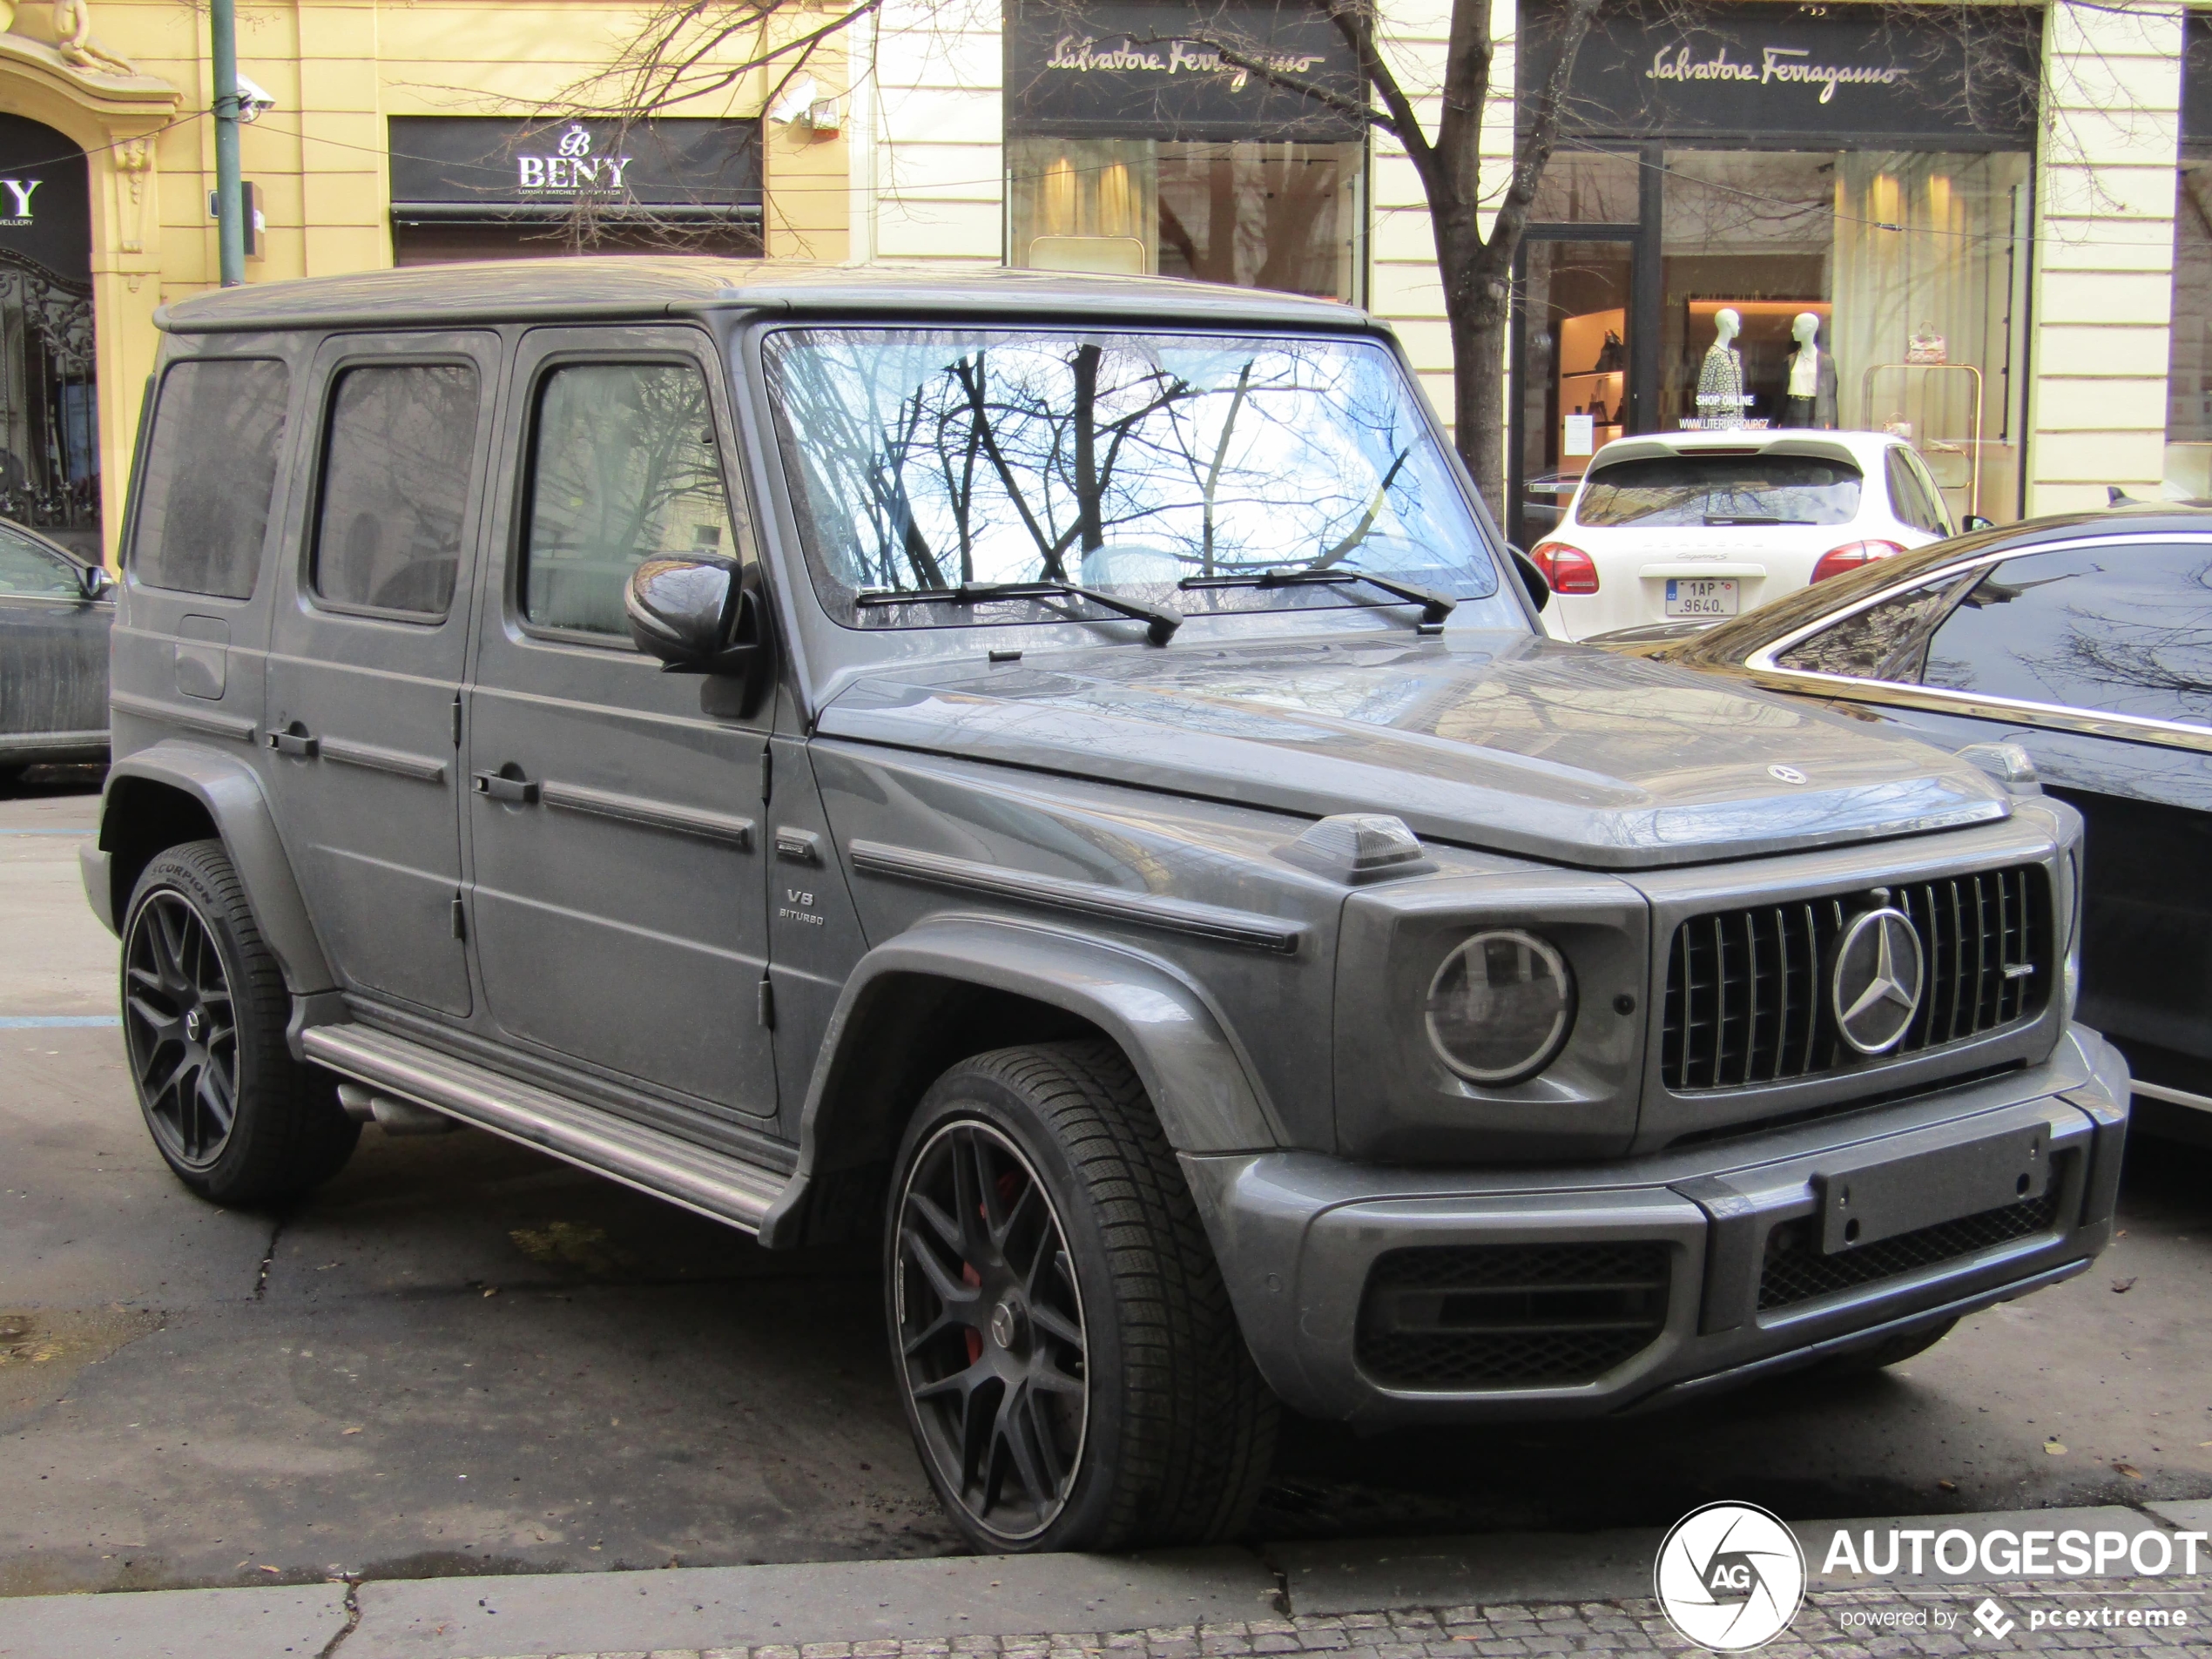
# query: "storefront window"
(1820, 218)
(50, 456)
(1871, 290)
(1133, 147)
(2189, 370)
(1256, 215)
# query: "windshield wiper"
(1750, 518)
(1162, 620)
(1434, 606)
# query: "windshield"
(1147, 467)
(1674, 491)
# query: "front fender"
(1199, 1082)
(226, 787)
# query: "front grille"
(1746, 989)
(1796, 1271)
(1510, 1315)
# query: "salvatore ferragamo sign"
(1190, 70)
(1790, 66)
(1647, 67)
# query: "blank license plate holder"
(1703, 596)
(1864, 1203)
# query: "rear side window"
(1911, 498)
(397, 456)
(623, 469)
(2125, 628)
(210, 468)
(1669, 491)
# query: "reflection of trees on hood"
(931, 462)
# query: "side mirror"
(1540, 591)
(695, 615)
(1976, 522)
(95, 582)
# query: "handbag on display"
(1612, 356)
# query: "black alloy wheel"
(180, 1024)
(1064, 1347)
(990, 1324)
(237, 1118)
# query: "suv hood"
(1520, 745)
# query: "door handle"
(499, 786)
(293, 743)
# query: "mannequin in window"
(1812, 399)
(1720, 378)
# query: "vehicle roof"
(588, 286)
(1865, 447)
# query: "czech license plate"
(1701, 595)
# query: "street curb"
(840, 1601)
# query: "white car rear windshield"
(1671, 490)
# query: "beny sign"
(571, 168)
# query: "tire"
(235, 1115)
(1894, 1352)
(1092, 1394)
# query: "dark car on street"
(2085, 642)
(1059, 779)
(55, 608)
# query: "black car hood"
(1506, 742)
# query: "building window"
(1140, 152)
(1253, 214)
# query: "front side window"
(1669, 491)
(30, 571)
(210, 470)
(624, 469)
(397, 457)
(1169, 468)
(2125, 628)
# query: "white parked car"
(1685, 526)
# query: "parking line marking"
(49, 1021)
(80, 834)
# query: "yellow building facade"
(103, 130)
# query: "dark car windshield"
(928, 459)
(1663, 491)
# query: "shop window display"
(1253, 213)
(1877, 291)
(2188, 371)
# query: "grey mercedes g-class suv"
(1061, 775)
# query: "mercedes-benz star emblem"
(1876, 985)
(1785, 774)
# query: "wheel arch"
(176, 792)
(956, 987)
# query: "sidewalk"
(1465, 1598)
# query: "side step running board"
(713, 1183)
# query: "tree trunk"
(1478, 329)
(1475, 308)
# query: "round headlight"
(1501, 1005)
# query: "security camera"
(253, 100)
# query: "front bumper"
(1731, 1234)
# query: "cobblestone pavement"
(1833, 1624)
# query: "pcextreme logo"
(1730, 1577)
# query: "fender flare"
(1200, 1082)
(232, 794)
